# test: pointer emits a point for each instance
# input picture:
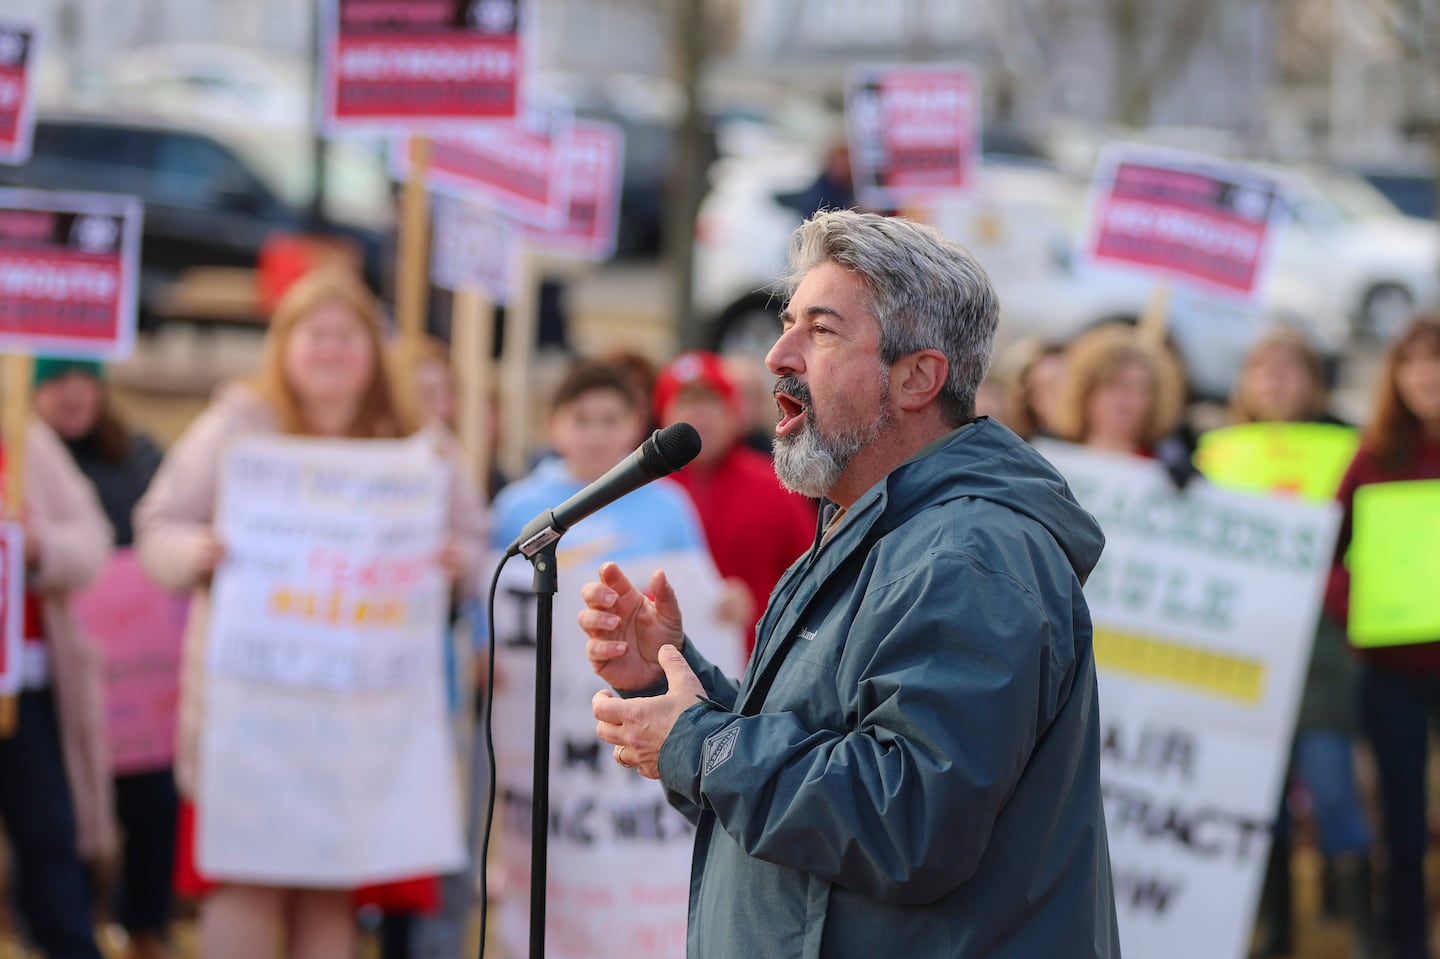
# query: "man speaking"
(910, 766)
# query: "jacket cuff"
(682, 754)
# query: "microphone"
(663, 453)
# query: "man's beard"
(811, 461)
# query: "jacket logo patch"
(809, 633)
(719, 747)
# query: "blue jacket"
(911, 766)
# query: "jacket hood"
(985, 460)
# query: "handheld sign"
(474, 248)
(18, 43)
(1195, 220)
(1394, 564)
(914, 132)
(414, 65)
(68, 269)
(514, 167)
(1200, 668)
(1307, 460)
(12, 606)
(593, 165)
(139, 629)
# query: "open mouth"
(792, 414)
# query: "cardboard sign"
(513, 167)
(419, 65)
(18, 47)
(1307, 460)
(914, 132)
(12, 606)
(593, 164)
(325, 755)
(1194, 220)
(1395, 564)
(475, 248)
(69, 264)
(139, 629)
(1204, 607)
(619, 873)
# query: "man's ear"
(917, 378)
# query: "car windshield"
(1355, 199)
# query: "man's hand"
(627, 629)
(637, 728)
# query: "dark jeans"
(1397, 710)
(147, 805)
(52, 883)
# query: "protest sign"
(914, 132)
(1204, 607)
(325, 758)
(1191, 219)
(1307, 460)
(619, 872)
(474, 248)
(12, 606)
(18, 47)
(593, 164)
(1394, 564)
(514, 167)
(139, 629)
(421, 65)
(69, 264)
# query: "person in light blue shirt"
(595, 421)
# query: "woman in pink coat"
(321, 375)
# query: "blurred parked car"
(207, 210)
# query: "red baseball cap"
(695, 367)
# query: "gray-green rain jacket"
(911, 766)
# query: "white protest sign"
(618, 876)
(1204, 605)
(474, 248)
(325, 759)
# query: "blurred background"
(732, 110)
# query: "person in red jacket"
(754, 526)
(1399, 685)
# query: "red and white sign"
(12, 606)
(1195, 220)
(68, 270)
(421, 63)
(475, 248)
(514, 167)
(914, 132)
(593, 164)
(18, 46)
(139, 629)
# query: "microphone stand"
(546, 584)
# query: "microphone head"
(670, 449)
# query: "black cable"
(490, 756)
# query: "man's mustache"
(792, 387)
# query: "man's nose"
(784, 357)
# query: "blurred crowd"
(85, 844)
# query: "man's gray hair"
(927, 293)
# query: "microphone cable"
(489, 756)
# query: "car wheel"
(1385, 310)
(751, 330)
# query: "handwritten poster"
(619, 870)
(325, 758)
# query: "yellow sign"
(1307, 460)
(1395, 564)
